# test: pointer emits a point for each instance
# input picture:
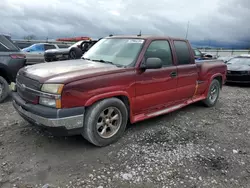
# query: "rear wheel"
(213, 93)
(105, 122)
(4, 89)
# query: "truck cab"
(120, 79)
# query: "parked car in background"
(226, 58)
(11, 60)
(35, 53)
(73, 52)
(238, 69)
(120, 79)
(202, 55)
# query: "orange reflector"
(58, 103)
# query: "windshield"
(121, 52)
(197, 53)
(34, 48)
(239, 61)
(7, 44)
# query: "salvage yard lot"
(193, 147)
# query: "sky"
(209, 20)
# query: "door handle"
(173, 74)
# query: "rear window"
(63, 45)
(49, 46)
(7, 45)
(182, 52)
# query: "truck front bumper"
(69, 120)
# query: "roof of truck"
(144, 37)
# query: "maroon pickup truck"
(120, 79)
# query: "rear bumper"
(67, 119)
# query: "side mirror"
(152, 63)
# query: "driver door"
(156, 88)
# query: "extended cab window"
(182, 52)
(160, 49)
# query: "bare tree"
(29, 37)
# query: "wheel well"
(123, 98)
(3, 73)
(219, 78)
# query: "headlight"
(51, 100)
(52, 88)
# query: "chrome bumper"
(71, 122)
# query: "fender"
(211, 79)
(96, 98)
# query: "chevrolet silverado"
(120, 79)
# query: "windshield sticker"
(135, 41)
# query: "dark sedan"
(238, 69)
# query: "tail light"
(17, 56)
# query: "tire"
(95, 114)
(4, 89)
(47, 60)
(75, 53)
(211, 99)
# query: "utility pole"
(187, 29)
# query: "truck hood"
(238, 67)
(61, 50)
(67, 71)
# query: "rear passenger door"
(155, 88)
(186, 71)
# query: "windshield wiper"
(103, 61)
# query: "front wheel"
(105, 122)
(213, 93)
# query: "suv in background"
(11, 60)
(35, 52)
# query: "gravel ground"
(193, 147)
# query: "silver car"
(35, 53)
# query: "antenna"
(139, 34)
(187, 29)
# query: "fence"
(225, 52)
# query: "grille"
(238, 78)
(237, 72)
(27, 95)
